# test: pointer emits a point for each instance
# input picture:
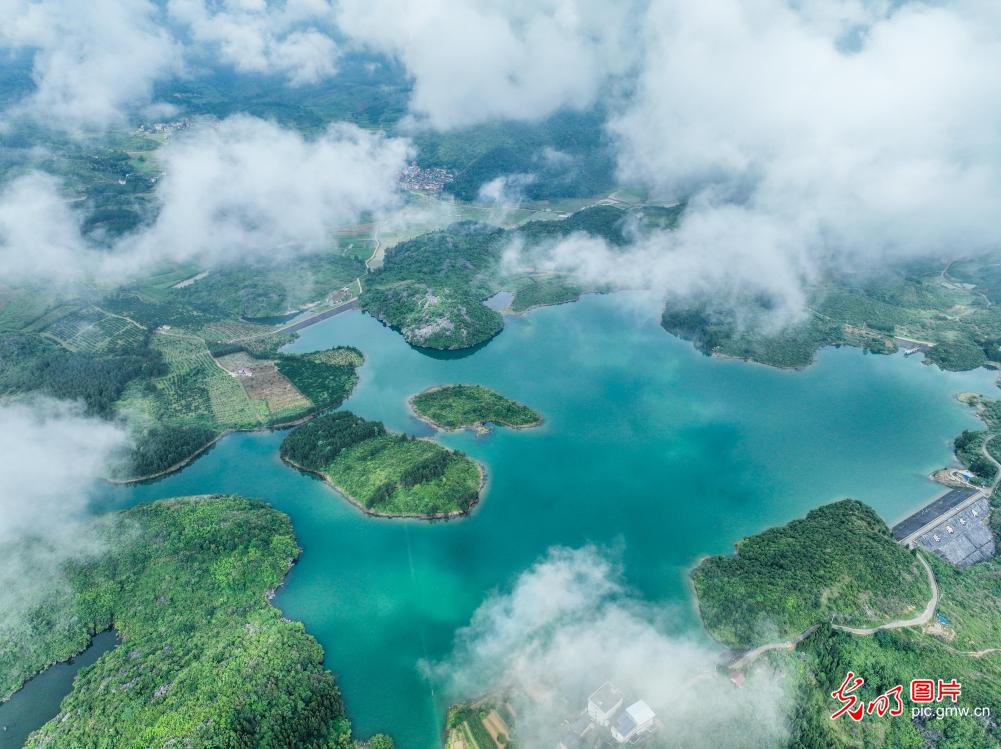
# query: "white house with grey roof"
(631, 722)
(604, 703)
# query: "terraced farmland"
(91, 329)
(196, 389)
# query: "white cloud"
(259, 37)
(91, 60)
(249, 189)
(51, 457)
(568, 625)
(812, 138)
(242, 189)
(39, 232)
(476, 61)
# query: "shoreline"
(396, 515)
(69, 659)
(479, 427)
(297, 421)
(205, 448)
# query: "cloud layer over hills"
(240, 189)
(806, 136)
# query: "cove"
(38, 700)
(648, 448)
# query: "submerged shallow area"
(647, 447)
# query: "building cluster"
(414, 177)
(609, 722)
(165, 128)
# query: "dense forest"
(325, 377)
(205, 660)
(29, 362)
(837, 564)
(163, 447)
(316, 444)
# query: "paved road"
(351, 304)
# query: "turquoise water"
(648, 447)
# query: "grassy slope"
(542, 292)
(457, 406)
(387, 473)
(206, 660)
(837, 564)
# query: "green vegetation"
(206, 660)
(431, 288)
(544, 291)
(173, 356)
(476, 724)
(459, 406)
(326, 378)
(963, 645)
(383, 472)
(961, 648)
(838, 564)
(197, 399)
(968, 448)
(31, 362)
(885, 660)
(268, 296)
(163, 447)
(468, 720)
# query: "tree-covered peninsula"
(205, 659)
(462, 406)
(385, 473)
(838, 564)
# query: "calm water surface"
(647, 447)
(38, 701)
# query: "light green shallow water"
(648, 446)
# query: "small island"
(385, 473)
(453, 407)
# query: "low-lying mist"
(568, 624)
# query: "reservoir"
(648, 447)
(38, 700)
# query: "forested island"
(838, 564)
(204, 658)
(454, 407)
(385, 473)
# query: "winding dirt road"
(923, 618)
